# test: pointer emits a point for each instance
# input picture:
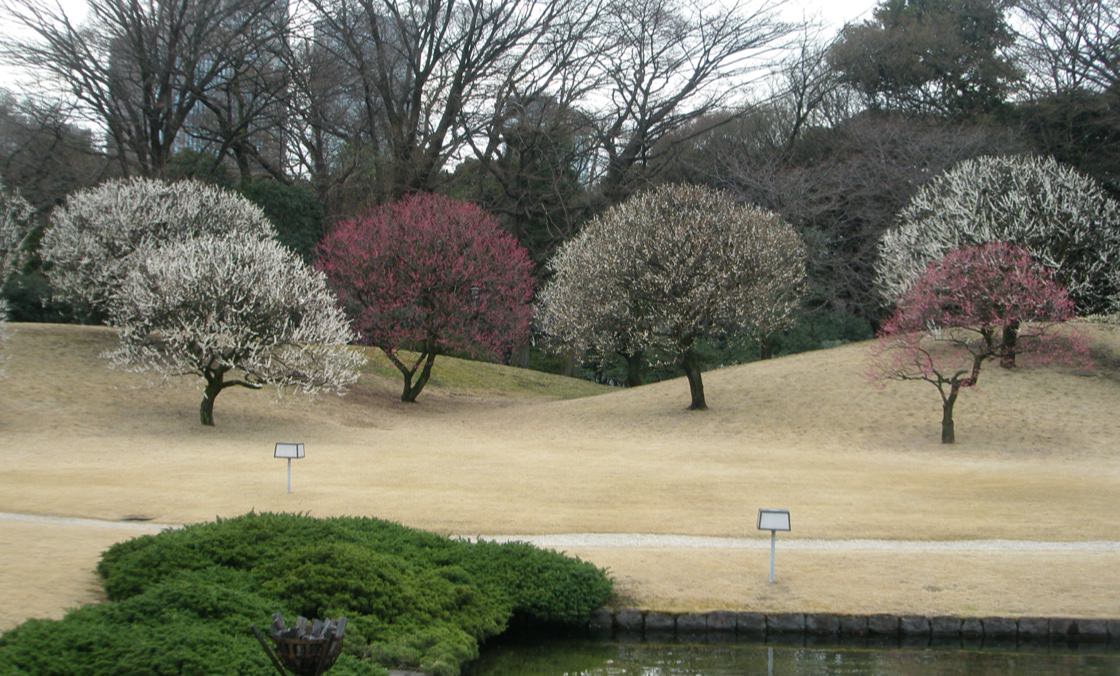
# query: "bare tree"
(141, 67)
(671, 63)
(43, 153)
(1069, 45)
(426, 77)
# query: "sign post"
(773, 520)
(289, 451)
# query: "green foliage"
(822, 329)
(929, 56)
(200, 166)
(293, 209)
(182, 601)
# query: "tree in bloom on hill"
(237, 310)
(956, 315)
(432, 274)
(660, 271)
(91, 238)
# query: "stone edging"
(648, 623)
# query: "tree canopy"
(929, 56)
(89, 241)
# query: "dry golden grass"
(1036, 457)
(50, 569)
(975, 584)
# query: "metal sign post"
(773, 520)
(291, 452)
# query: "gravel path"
(651, 541)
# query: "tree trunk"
(633, 369)
(409, 395)
(691, 367)
(213, 388)
(948, 433)
(1010, 339)
(411, 390)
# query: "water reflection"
(586, 657)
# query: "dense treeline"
(547, 112)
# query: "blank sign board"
(284, 450)
(773, 519)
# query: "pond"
(574, 656)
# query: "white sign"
(290, 452)
(773, 519)
(284, 450)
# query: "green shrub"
(293, 209)
(182, 601)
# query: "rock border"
(634, 622)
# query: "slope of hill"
(1036, 457)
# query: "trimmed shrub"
(182, 601)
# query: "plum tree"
(431, 274)
(671, 266)
(232, 304)
(955, 317)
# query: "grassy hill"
(489, 449)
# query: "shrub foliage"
(182, 601)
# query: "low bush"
(182, 601)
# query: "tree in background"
(143, 69)
(431, 274)
(1071, 108)
(423, 78)
(841, 185)
(90, 239)
(216, 305)
(294, 211)
(955, 317)
(943, 57)
(1068, 45)
(667, 64)
(535, 173)
(43, 153)
(669, 267)
(17, 221)
(1062, 217)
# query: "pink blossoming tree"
(431, 274)
(956, 315)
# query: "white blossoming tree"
(668, 267)
(17, 220)
(1061, 216)
(90, 239)
(235, 309)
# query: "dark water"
(607, 658)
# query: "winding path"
(659, 541)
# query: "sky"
(831, 14)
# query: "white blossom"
(669, 266)
(90, 238)
(1062, 217)
(234, 303)
(17, 220)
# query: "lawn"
(495, 450)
